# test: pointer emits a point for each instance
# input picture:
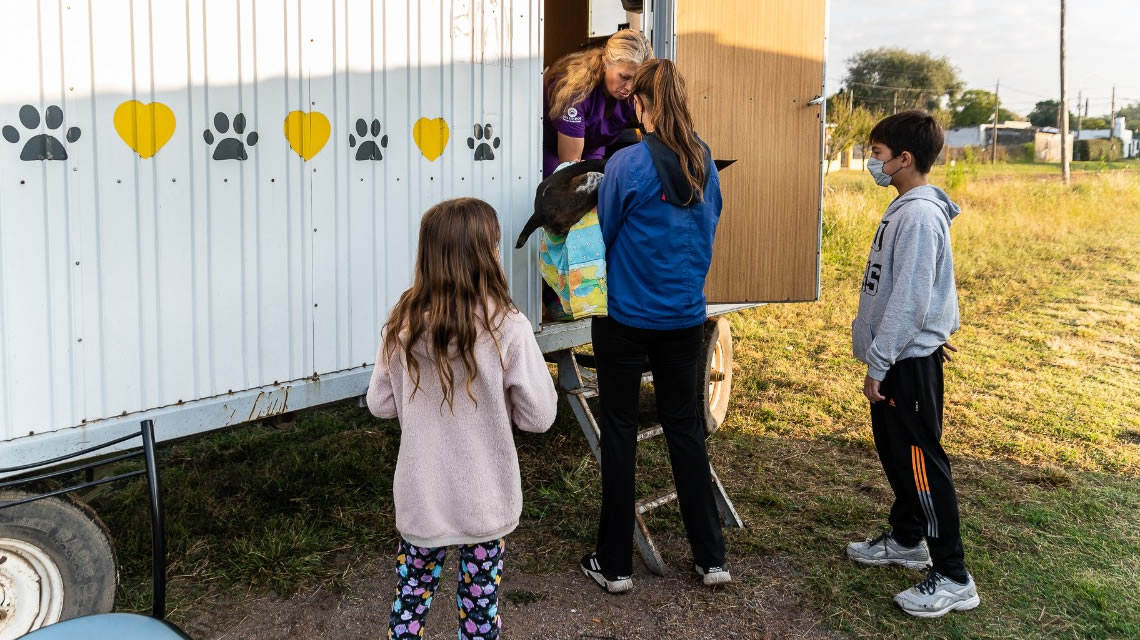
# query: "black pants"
(908, 436)
(674, 357)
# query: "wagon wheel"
(716, 383)
(56, 563)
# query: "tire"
(56, 563)
(716, 383)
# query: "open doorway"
(570, 26)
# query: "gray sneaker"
(885, 550)
(938, 595)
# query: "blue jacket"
(658, 250)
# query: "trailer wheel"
(717, 381)
(56, 563)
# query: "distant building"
(1012, 135)
(1131, 146)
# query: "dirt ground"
(759, 604)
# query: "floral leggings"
(477, 597)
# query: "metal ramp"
(579, 385)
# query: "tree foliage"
(975, 107)
(1131, 114)
(1044, 114)
(850, 125)
(886, 79)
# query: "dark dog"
(562, 199)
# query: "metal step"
(656, 501)
(651, 432)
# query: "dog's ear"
(721, 165)
(587, 182)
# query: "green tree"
(886, 79)
(1131, 114)
(975, 107)
(1044, 114)
(1091, 123)
(847, 125)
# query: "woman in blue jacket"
(658, 205)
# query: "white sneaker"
(885, 550)
(612, 584)
(713, 575)
(938, 595)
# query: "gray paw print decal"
(42, 146)
(232, 148)
(369, 149)
(483, 133)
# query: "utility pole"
(993, 143)
(1064, 105)
(1079, 100)
(1112, 118)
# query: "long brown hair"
(572, 77)
(459, 289)
(661, 89)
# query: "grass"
(1043, 429)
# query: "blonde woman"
(587, 99)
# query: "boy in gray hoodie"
(907, 311)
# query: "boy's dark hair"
(914, 131)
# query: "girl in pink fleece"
(457, 364)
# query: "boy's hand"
(871, 390)
(946, 356)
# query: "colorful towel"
(574, 265)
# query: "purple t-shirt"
(588, 120)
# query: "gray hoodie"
(909, 306)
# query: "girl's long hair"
(459, 289)
(661, 89)
(572, 77)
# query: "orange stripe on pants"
(918, 465)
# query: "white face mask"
(875, 166)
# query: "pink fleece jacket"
(457, 476)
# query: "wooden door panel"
(752, 67)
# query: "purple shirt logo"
(572, 115)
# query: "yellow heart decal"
(431, 137)
(307, 133)
(145, 128)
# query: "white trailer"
(208, 206)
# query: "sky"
(1016, 41)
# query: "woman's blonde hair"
(459, 291)
(572, 78)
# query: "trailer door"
(753, 69)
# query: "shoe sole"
(879, 562)
(965, 605)
(617, 586)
